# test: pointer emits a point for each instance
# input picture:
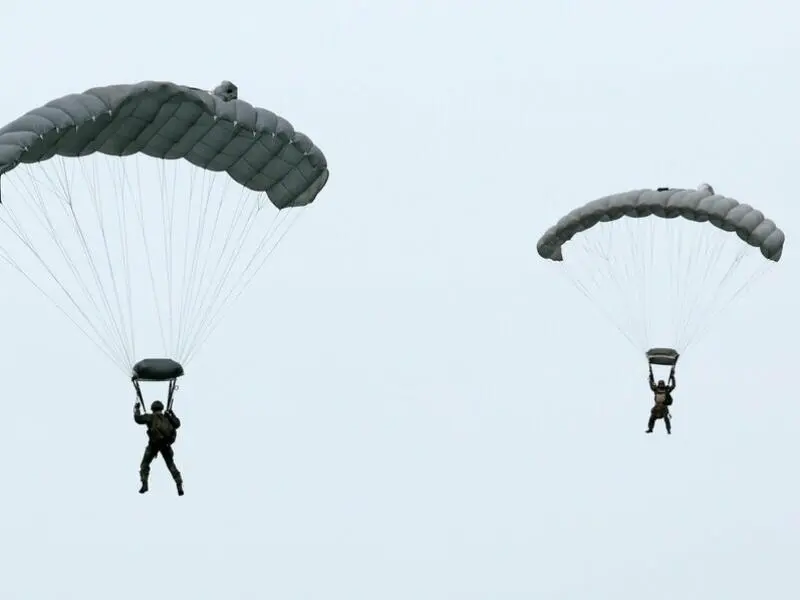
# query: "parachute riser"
(173, 387)
(171, 393)
(139, 397)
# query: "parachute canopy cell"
(157, 369)
(700, 205)
(213, 130)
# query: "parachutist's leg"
(668, 424)
(169, 459)
(144, 469)
(651, 423)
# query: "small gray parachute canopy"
(661, 263)
(143, 210)
(700, 205)
(212, 130)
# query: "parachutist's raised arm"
(138, 416)
(652, 379)
(671, 384)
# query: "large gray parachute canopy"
(212, 130)
(700, 205)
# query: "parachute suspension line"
(209, 324)
(234, 238)
(219, 298)
(581, 287)
(660, 281)
(232, 242)
(140, 204)
(689, 255)
(596, 265)
(740, 290)
(31, 188)
(190, 291)
(590, 279)
(60, 187)
(65, 180)
(122, 325)
(168, 191)
(120, 191)
(715, 264)
(591, 284)
(712, 296)
(187, 294)
(190, 280)
(12, 263)
(720, 302)
(46, 222)
(181, 302)
(650, 265)
(675, 270)
(611, 259)
(635, 273)
(699, 252)
(699, 264)
(115, 321)
(88, 258)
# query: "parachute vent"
(706, 187)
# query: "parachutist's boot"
(648, 431)
(144, 487)
(178, 481)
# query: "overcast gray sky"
(408, 403)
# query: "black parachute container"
(157, 369)
(662, 356)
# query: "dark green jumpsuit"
(154, 447)
(662, 400)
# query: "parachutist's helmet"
(661, 384)
(158, 406)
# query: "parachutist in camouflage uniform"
(161, 432)
(663, 400)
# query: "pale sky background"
(408, 403)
